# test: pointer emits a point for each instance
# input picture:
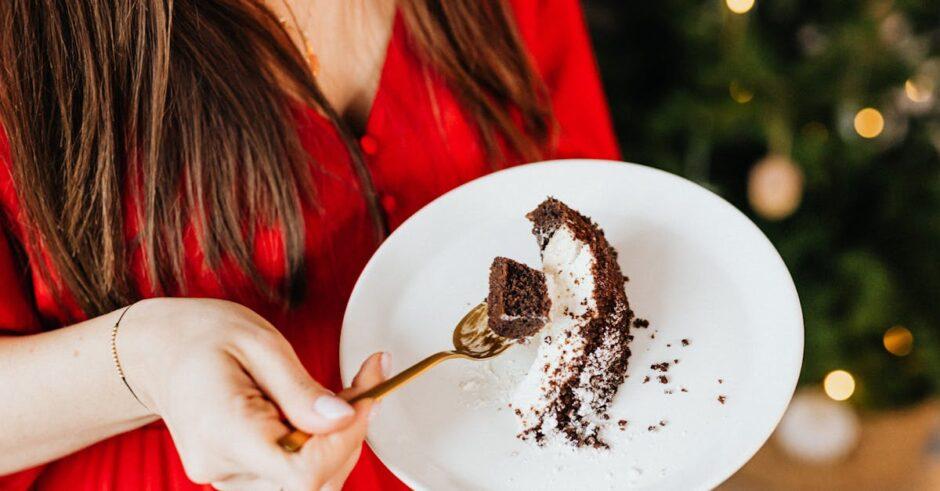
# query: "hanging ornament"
(898, 341)
(816, 429)
(775, 187)
(739, 93)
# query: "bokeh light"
(775, 187)
(839, 385)
(918, 89)
(740, 6)
(898, 341)
(869, 122)
(739, 93)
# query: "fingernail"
(385, 360)
(374, 410)
(332, 407)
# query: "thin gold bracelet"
(117, 361)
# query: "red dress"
(419, 143)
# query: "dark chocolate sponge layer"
(518, 302)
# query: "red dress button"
(369, 145)
(389, 203)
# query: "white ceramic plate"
(699, 270)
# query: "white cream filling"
(512, 318)
(568, 265)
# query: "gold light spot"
(740, 94)
(839, 385)
(898, 341)
(869, 122)
(918, 90)
(739, 6)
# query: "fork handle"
(403, 377)
(294, 440)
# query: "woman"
(189, 190)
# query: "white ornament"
(817, 429)
(775, 187)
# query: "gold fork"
(473, 340)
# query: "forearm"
(61, 392)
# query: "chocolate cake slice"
(582, 359)
(518, 302)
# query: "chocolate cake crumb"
(663, 379)
(675, 361)
(721, 381)
(662, 422)
(606, 417)
(626, 278)
(548, 340)
(622, 424)
(646, 379)
(685, 342)
(668, 345)
(518, 412)
(668, 391)
(683, 389)
(653, 336)
(661, 367)
(641, 323)
(722, 399)
(652, 428)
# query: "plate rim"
(798, 337)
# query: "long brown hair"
(185, 101)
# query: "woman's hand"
(221, 377)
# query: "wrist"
(134, 348)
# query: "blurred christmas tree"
(820, 120)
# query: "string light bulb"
(869, 122)
(898, 341)
(739, 6)
(839, 385)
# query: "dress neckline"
(368, 123)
